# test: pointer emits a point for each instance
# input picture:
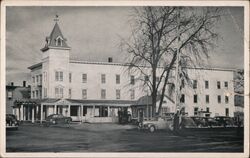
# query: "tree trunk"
(165, 83)
(154, 91)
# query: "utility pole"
(177, 64)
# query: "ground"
(118, 138)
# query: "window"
(206, 85)
(132, 80)
(41, 79)
(10, 95)
(40, 93)
(37, 78)
(59, 92)
(226, 84)
(132, 94)
(195, 111)
(182, 83)
(195, 98)
(182, 99)
(226, 99)
(103, 78)
(117, 78)
(36, 93)
(33, 94)
(219, 98)
(70, 77)
(227, 112)
(103, 94)
(218, 84)
(70, 92)
(59, 76)
(146, 78)
(59, 41)
(195, 84)
(118, 94)
(207, 98)
(84, 78)
(33, 79)
(84, 94)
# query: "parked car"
(11, 122)
(225, 121)
(57, 119)
(187, 122)
(211, 122)
(159, 123)
(200, 121)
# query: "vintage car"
(225, 121)
(57, 119)
(159, 123)
(187, 122)
(200, 121)
(205, 121)
(11, 122)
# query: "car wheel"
(152, 129)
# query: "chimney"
(24, 83)
(110, 60)
(12, 83)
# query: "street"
(117, 138)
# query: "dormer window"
(59, 41)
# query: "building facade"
(96, 91)
(14, 93)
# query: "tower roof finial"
(56, 18)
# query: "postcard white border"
(244, 4)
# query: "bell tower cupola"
(55, 40)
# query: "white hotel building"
(95, 91)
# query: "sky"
(94, 34)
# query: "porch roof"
(102, 102)
(123, 103)
(34, 101)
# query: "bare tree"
(159, 33)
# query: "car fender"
(151, 124)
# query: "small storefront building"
(142, 110)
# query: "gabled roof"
(54, 36)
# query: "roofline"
(127, 64)
(35, 66)
(49, 47)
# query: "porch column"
(33, 114)
(68, 111)
(20, 110)
(17, 113)
(28, 113)
(41, 116)
(108, 111)
(55, 109)
(138, 115)
(24, 113)
(13, 111)
(37, 111)
(81, 112)
(93, 111)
